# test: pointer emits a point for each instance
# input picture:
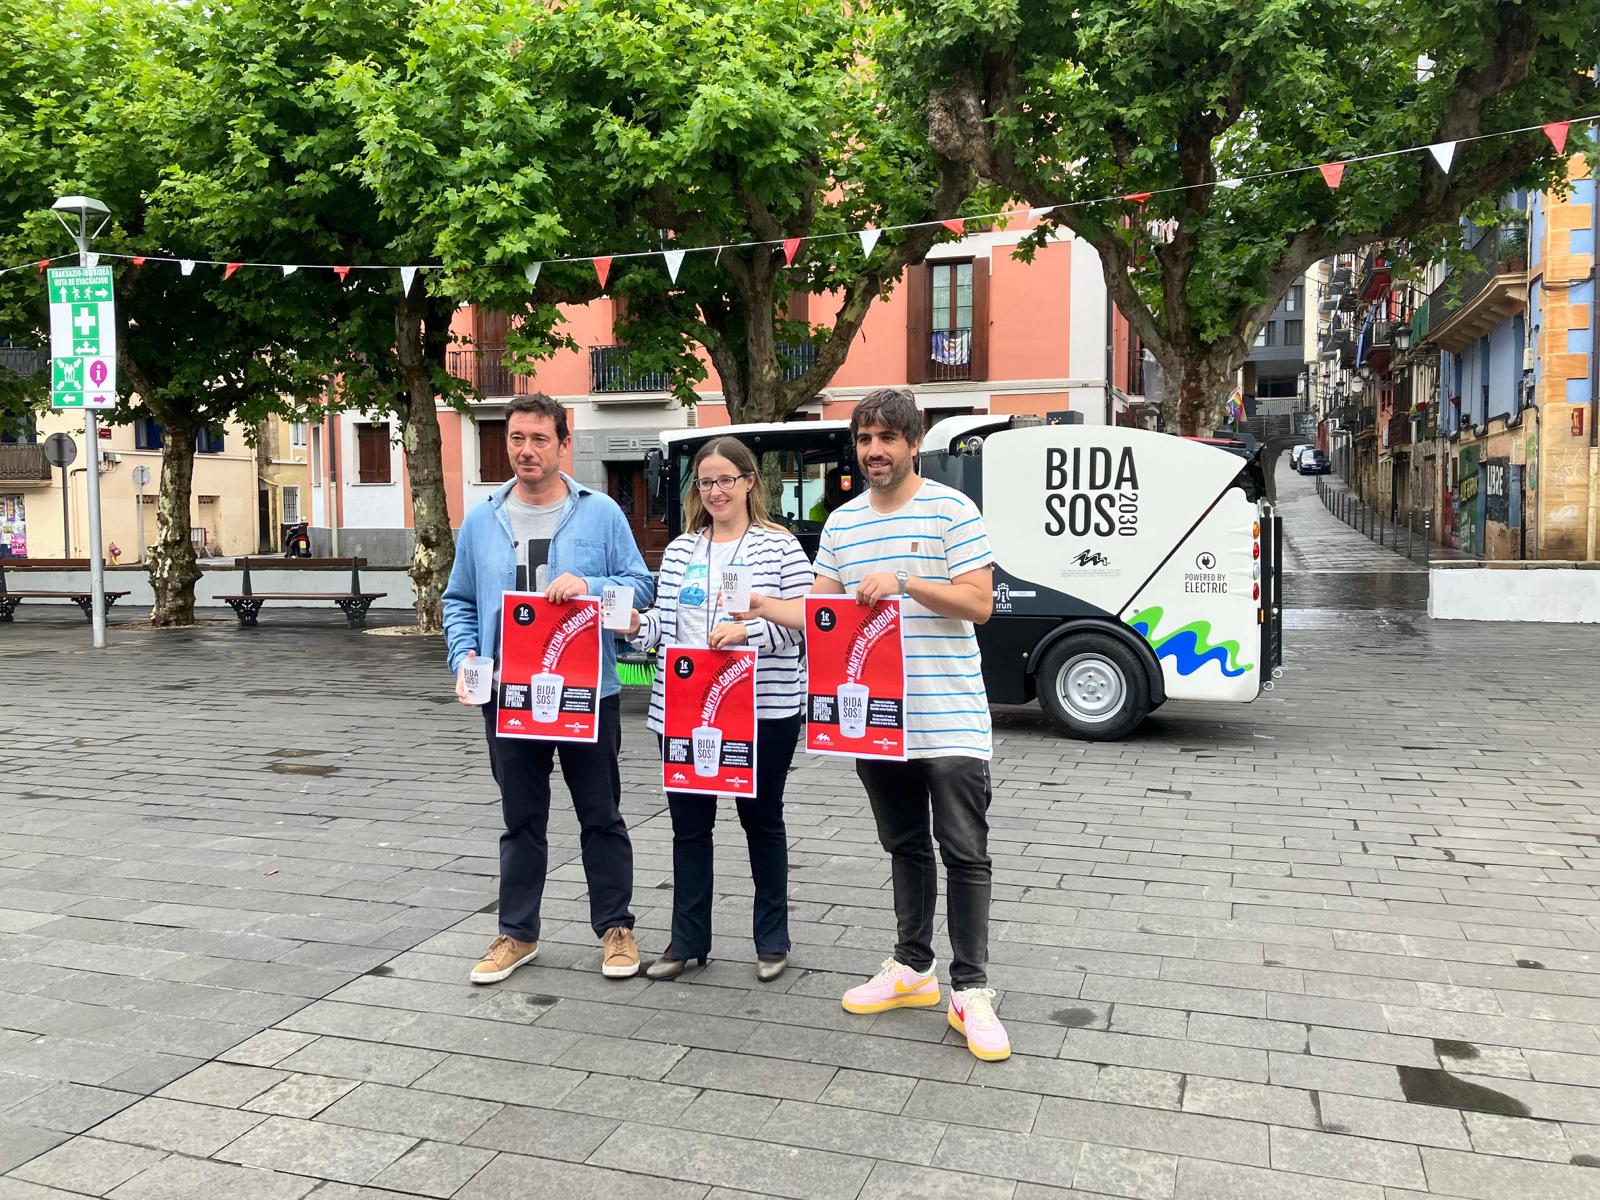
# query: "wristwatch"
(900, 578)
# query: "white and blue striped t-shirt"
(938, 534)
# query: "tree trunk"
(1197, 391)
(173, 570)
(435, 550)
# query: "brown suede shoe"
(621, 954)
(505, 955)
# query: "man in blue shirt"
(544, 531)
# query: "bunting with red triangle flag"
(1332, 173)
(602, 269)
(1556, 131)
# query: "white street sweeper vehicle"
(1130, 567)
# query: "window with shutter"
(372, 453)
(494, 462)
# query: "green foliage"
(1063, 104)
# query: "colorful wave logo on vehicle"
(1189, 647)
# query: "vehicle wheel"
(1093, 686)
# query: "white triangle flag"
(91, 259)
(408, 276)
(674, 260)
(1444, 153)
(869, 239)
(288, 269)
(1035, 213)
(531, 272)
(186, 265)
(1229, 183)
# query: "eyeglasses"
(725, 482)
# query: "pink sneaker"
(896, 986)
(972, 1016)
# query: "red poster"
(709, 744)
(855, 678)
(549, 669)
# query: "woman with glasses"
(726, 523)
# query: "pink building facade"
(972, 330)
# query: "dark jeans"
(522, 769)
(694, 816)
(956, 789)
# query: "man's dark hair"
(893, 408)
(540, 405)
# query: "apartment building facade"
(971, 330)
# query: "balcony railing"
(610, 371)
(23, 362)
(949, 355)
(1374, 275)
(797, 359)
(1398, 431)
(23, 463)
(486, 368)
(1502, 250)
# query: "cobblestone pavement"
(1340, 944)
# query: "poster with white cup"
(708, 742)
(855, 678)
(550, 663)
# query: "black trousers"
(694, 817)
(522, 769)
(956, 792)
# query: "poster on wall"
(13, 526)
(855, 678)
(708, 743)
(550, 659)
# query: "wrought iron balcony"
(949, 355)
(1398, 431)
(797, 359)
(23, 362)
(610, 371)
(486, 368)
(23, 464)
(1473, 299)
(1374, 277)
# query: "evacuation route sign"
(83, 338)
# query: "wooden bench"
(84, 598)
(354, 603)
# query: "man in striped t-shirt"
(912, 537)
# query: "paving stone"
(267, 1048)
(1517, 1137)
(730, 1162)
(1486, 1177)
(871, 1090)
(1361, 1160)
(747, 1073)
(417, 1113)
(180, 1178)
(891, 1181)
(553, 1134)
(347, 1058)
(968, 1104)
(317, 1149)
(732, 1113)
(868, 1134)
(1152, 1129)
(88, 1164)
(1250, 1102)
(301, 1095)
(622, 1056)
(993, 1152)
(1137, 1086)
(1200, 1179)
(1162, 1054)
(197, 1129)
(625, 1099)
(20, 1143)
(70, 1107)
(228, 1085)
(494, 1079)
(1422, 1124)
(1119, 1171)
(516, 1177)
(433, 1169)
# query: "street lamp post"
(85, 207)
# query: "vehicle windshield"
(802, 486)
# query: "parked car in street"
(1314, 462)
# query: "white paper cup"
(707, 751)
(616, 606)
(545, 696)
(736, 589)
(853, 710)
(478, 676)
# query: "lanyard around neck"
(713, 601)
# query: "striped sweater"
(779, 568)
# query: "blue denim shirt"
(592, 540)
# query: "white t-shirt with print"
(938, 534)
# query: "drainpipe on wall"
(335, 496)
(1110, 354)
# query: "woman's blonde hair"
(695, 515)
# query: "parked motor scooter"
(297, 540)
